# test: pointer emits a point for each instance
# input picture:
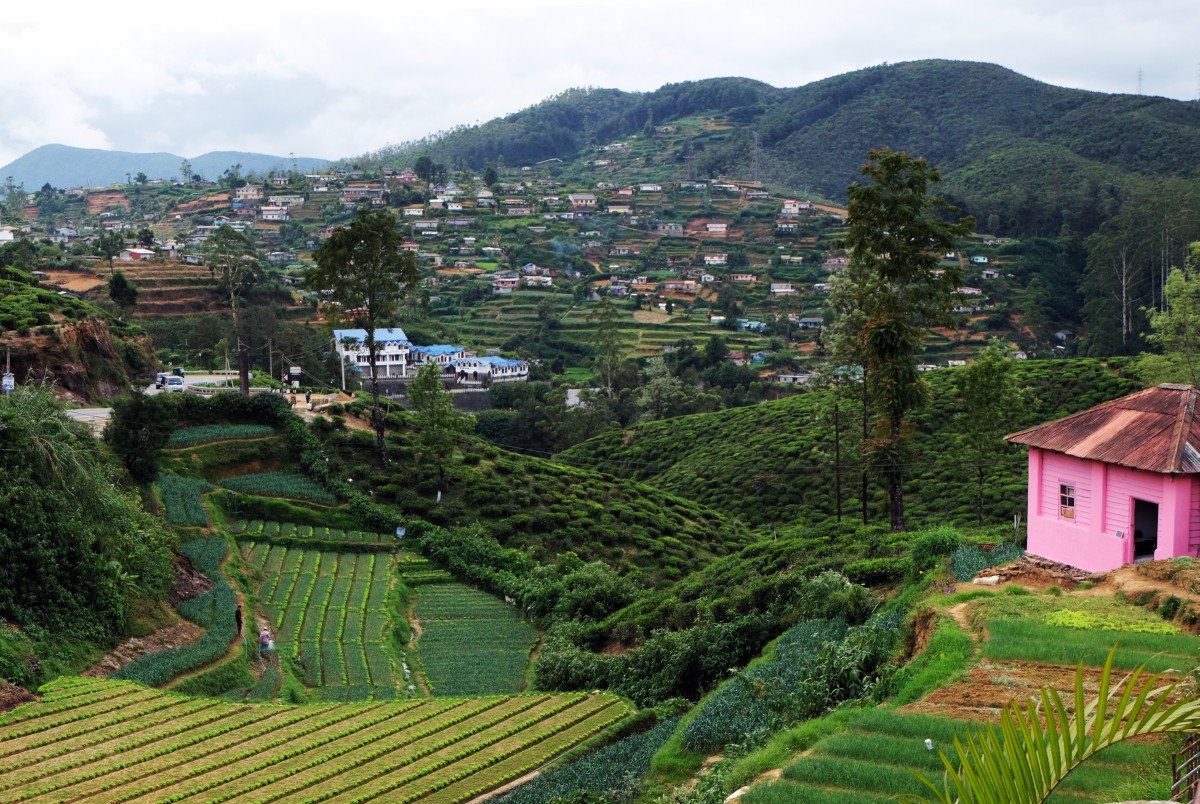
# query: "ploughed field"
(93, 739)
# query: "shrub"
(214, 610)
(877, 571)
(929, 547)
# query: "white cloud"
(136, 75)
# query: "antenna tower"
(1139, 89)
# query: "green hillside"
(773, 464)
(1035, 155)
(545, 509)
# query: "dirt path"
(989, 686)
(415, 624)
(172, 636)
(1162, 577)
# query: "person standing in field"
(264, 642)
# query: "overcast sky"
(337, 78)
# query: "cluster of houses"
(399, 359)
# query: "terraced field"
(258, 530)
(872, 759)
(329, 612)
(471, 643)
(92, 739)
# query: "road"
(97, 418)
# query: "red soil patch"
(988, 688)
(11, 697)
(173, 636)
(73, 280)
(1160, 577)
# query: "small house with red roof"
(1117, 483)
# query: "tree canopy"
(76, 547)
(367, 275)
(232, 254)
(439, 426)
(896, 232)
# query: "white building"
(479, 370)
(392, 350)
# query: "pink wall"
(1104, 508)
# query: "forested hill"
(1034, 155)
(776, 464)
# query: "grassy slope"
(866, 754)
(773, 463)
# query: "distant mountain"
(1037, 157)
(63, 166)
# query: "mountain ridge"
(991, 131)
(65, 166)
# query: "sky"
(340, 78)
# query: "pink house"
(1117, 483)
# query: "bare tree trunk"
(866, 435)
(895, 476)
(376, 411)
(837, 456)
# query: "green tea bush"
(816, 664)
(928, 548)
(877, 571)
(611, 774)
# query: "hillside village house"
(135, 254)
(1117, 483)
(478, 370)
(392, 346)
(441, 353)
(582, 200)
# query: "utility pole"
(342, 363)
(270, 359)
(244, 367)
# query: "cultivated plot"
(329, 612)
(471, 643)
(93, 739)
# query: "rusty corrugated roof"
(1156, 430)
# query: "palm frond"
(1022, 761)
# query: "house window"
(1066, 501)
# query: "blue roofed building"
(441, 353)
(398, 359)
(489, 369)
(392, 348)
